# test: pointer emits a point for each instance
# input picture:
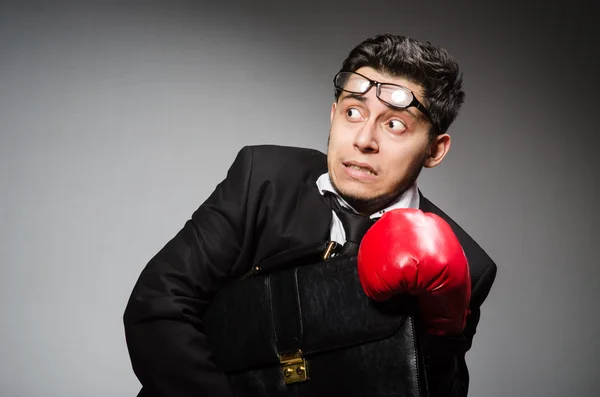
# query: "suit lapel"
(425, 205)
(312, 221)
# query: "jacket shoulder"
(286, 162)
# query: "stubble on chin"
(368, 205)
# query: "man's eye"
(396, 126)
(353, 114)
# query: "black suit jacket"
(268, 203)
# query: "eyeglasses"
(392, 95)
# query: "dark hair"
(423, 63)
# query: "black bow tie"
(355, 225)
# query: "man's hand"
(408, 251)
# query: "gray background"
(118, 119)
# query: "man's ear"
(438, 148)
(333, 107)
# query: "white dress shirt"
(410, 199)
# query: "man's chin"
(366, 202)
(356, 197)
(363, 202)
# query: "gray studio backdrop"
(118, 119)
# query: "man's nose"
(366, 138)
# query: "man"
(395, 99)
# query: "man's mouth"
(361, 167)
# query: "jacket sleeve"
(446, 368)
(169, 350)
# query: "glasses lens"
(351, 82)
(395, 95)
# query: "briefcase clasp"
(294, 367)
(330, 250)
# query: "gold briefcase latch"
(329, 250)
(294, 367)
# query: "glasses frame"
(414, 103)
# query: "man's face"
(375, 153)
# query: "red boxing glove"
(409, 251)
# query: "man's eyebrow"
(358, 97)
(410, 110)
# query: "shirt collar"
(410, 198)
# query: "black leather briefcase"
(302, 326)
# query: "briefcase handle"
(294, 257)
